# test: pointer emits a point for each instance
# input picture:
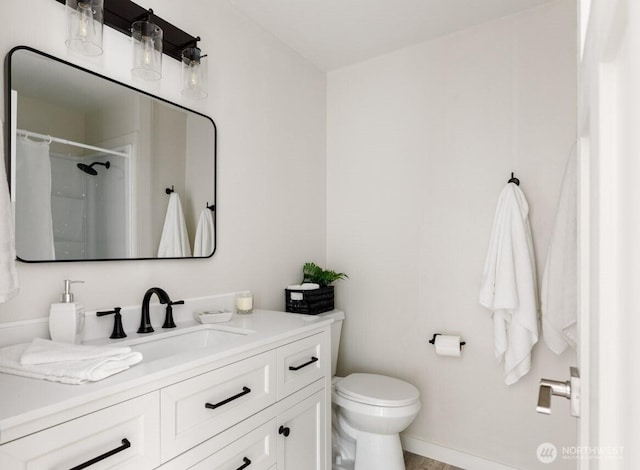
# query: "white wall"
(269, 106)
(420, 143)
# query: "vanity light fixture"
(85, 21)
(194, 72)
(147, 48)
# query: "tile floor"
(417, 462)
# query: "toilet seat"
(377, 390)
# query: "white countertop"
(27, 405)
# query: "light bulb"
(193, 74)
(147, 50)
(85, 19)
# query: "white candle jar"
(244, 302)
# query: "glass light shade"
(194, 73)
(147, 50)
(85, 22)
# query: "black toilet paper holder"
(433, 340)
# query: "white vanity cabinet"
(265, 408)
(291, 432)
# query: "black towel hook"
(169, 190)
(211, 207)
(514, 180)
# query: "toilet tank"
(336, 330)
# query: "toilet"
(369, 411)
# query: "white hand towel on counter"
(203, 244)
(73, 372)
(174, 242)
(8, 272)
(558, 292)
(509, 286)
(45, 351)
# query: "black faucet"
(145, 321)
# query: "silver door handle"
(569, 389)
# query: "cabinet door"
(302, 441)
(123, 436)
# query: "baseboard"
(449, 456)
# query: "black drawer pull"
(284, 431)
(246, 463)
(244, 391)
(125, 445)
(313, 359)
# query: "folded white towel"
(45, 351)
(509, 287)
(558, 292)
(203, 244)
(68, 372)
(174, 242)
(305, 286)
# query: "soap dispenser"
(66, 318)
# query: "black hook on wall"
(514, 180)
(170, 190)
(211, 207)
(146, 15)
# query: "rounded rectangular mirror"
(102, 171)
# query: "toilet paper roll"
(448, 345)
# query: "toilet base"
(378, 452)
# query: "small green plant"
(311, 272)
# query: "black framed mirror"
(102, 171)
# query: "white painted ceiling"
(335, 33)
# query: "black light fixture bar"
(120, 14)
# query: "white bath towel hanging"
(174, 242)
(509, 288)
(34, 222)
(558, 290)
(8, 273)
(203, 244)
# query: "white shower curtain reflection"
(34, 225)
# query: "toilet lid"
(378, 390)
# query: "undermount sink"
(164, 344)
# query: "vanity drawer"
(128, 431)
(256, 450)
(300, 363)
(196, 409)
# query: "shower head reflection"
(88, 169)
